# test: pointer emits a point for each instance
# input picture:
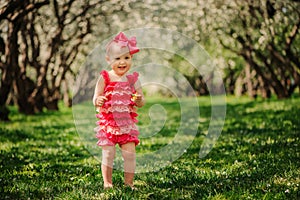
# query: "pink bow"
(122, 40)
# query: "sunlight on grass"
(6, 146)
(43, 156)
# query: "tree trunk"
(66, 97)
(238, 91)
(264, 89)
(249, 83)
(9, 68)
(4, 112)
(52, 105)
(52, 98)
(23, 86)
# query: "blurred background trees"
(266, 35)
(40, 42)
(43, 43)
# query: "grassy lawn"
(256, 156)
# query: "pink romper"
(117, 116)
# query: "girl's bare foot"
(130, 186)
(108, 186)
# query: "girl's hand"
(138, 99)
(100, 101)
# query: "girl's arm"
(139, 100)
(98, 97)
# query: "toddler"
(116, 96)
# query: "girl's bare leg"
(108, 155)
(128, 154)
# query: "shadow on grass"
(254, 158)
(39, 161)
(14, 136)
(256, 154)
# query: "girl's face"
(121, 64)
(119, 59)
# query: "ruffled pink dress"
(117, 116)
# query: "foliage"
(43, 43)
(254, 43)
(40, 41)
(254, 158)
(266, 34)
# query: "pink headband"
(123, 41)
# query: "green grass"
(256, 156)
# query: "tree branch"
(14, 10)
